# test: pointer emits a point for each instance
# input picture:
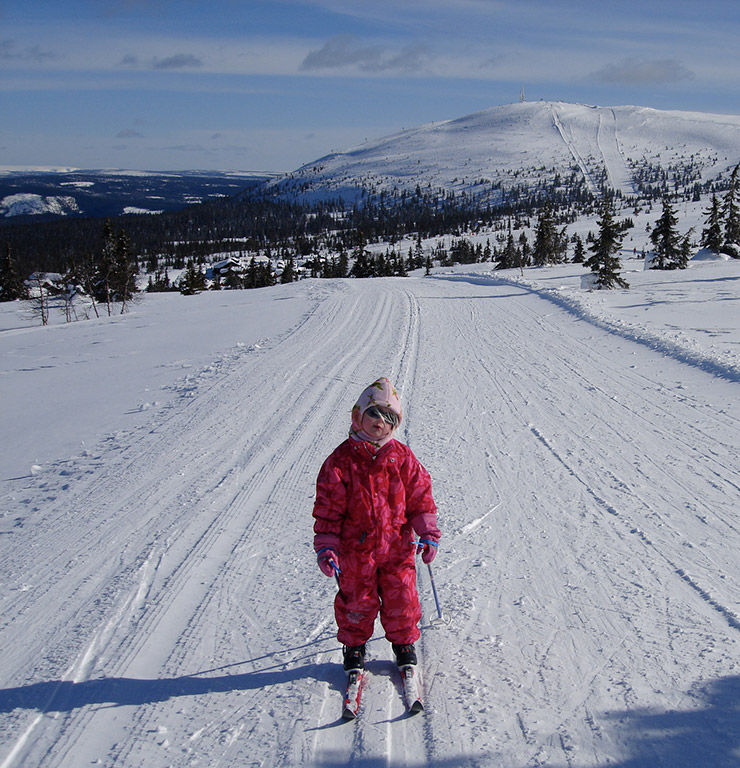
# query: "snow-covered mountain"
(540, 145)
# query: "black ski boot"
(405, 655)
(354, 657)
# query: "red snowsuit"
(368, 503)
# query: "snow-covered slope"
(26, 204)
(529, 145)
(159, 597)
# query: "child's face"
(374, 426)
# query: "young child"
(372, 494)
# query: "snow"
(528, 145)
(128, 209)
(33, 205)
(160, 600)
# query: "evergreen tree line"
(258, 274)
(721, 232)
(106, 274)
(256, 223)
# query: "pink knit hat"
(382, 393)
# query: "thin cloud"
(346, 51)
(640, 71)
(186, 148)
(178, 61)
(129, 133)
(342, 51)
(9, 51)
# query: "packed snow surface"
(160, 600)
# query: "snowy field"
(160, 600)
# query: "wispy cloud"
(176, 61)
(640, 71)
(129, 133)
(347, 51)
(186, 148)
(9, 50)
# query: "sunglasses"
(387, 416)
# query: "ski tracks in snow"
(588, 559)
(207, 604)
(609, 489)
(596, 149)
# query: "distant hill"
(54, 193)
(524, 147)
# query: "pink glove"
(328, 561)
(428, 549)
(426, 529)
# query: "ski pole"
(441, 618)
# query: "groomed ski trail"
(617, 171)
(592, 140)
(165, 608)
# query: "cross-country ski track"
(162, 607)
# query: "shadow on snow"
(67, 695)
(707, 735)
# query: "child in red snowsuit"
(372, 495)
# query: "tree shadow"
(704, 737)
(708, 736)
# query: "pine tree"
(12, 286)
(401, 268)
(125, 270)
(266, 275)
(579, 252)
(524, 251)
(711, 236)
(193, 280)
(684, 251)
(667, 243)
(363, 265)
(549, 243)
(418, 259)
(487, 251)
(731, 213)
(250, 278)
(342, 265)
(604, 263)
(509, 256)
(104, 267)
(288, 275)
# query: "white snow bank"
(691, 314)
(706, 255)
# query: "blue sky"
(272, 84)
